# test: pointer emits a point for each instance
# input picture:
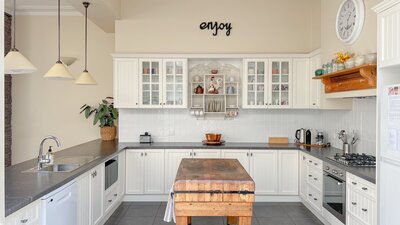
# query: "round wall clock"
(350, 20)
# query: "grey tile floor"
(152, 213)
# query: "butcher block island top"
(213, 187)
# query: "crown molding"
(384, 5)
(42, 10)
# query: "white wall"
(41, 106)
(159, 26)
(251, 125)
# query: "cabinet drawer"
(29, 215)
(314, 197)
(110, 197)
(314, 177)
(362, 186)
(314, 162)
(352, 220)
(361, 207)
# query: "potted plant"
(106, 115)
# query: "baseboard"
(110, 212)
(332, 220)
(161, 198)
(266, 198)
(315, 212)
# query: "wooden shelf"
(357, 78)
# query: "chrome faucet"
(41, 158)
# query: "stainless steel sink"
(64, 164)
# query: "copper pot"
(212, 137)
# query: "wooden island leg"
(189, 220)
(232, 220)
(182, 220)
(244, 220)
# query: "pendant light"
(85, 77)
(15, 62)
(58, 71)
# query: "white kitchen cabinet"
(126, 81)
(144, 171)
(150, 83)
(301, 83)
(121, 174)
(134, 172)
(264, 171)
(315, 85)
(28, 215)
(84, 203)
(255, 78)
(173, 158)
(207, 153)
(361, 202)
(97, 191)
(288, 172)
(175, 83)
(241, 155)
(280, 83)
(389, 34)
(303, 176)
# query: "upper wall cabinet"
(150, 83)
(267, 83)
(126, 80)
(301, 79)
(389, 36)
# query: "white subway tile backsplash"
(253, 125)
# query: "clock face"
(349, 21)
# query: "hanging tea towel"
(170, 211)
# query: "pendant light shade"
(15, 62)
(59, 70)
(85, 78)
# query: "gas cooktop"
(354, 159)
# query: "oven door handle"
(339, 182)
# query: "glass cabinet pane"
(174, 83)
(256, 78)
(280, 83)
(150, 83)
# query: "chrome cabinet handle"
(309, 175)
(364, 209)
(364, 188)
(310, 195)
(145, 154)
(314, 104)
(110, 200)
(316, 164)
(194, 153)
(251, 154)
(304, 158)
(339, 184)
(315, 199)
(310, 161)
(315, 178)
(354, 183)
(247, 154)
(354, 203)
(24, 220)
(141, 154)
(191, 154)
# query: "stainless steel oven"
(334, 191)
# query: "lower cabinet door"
(303, 175)
(207, 153)
(134, 171)
(154, 171)
(263, 170)
(242, 155)
(288, 172)
(97, 191)
(173, 159)
(84, 201)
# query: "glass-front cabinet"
(163, 83)
(255, 78)
(267, 83)
(175, 81)
(280, 83)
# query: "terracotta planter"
(108, 133)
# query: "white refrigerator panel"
(389, 194)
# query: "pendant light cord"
(86, 4)
(59, 32)
(14, 21)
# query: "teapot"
(199, 90)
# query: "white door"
(154, 171)
(173, 159)
(303, 175)
(301, 83)
(389, 37)
(315, 85)
(263, 170)
(280, 83)
(126, 79)
(242, 155)
(255, 78)
(97, 186)
(150, 83)
(288, 172)
(175, 83)
(84, 199)
(134, 171)
(206, 153)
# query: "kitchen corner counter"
(22, 189)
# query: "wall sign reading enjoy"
(215, 27)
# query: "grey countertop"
(23, 188)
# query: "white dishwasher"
(60, 206)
